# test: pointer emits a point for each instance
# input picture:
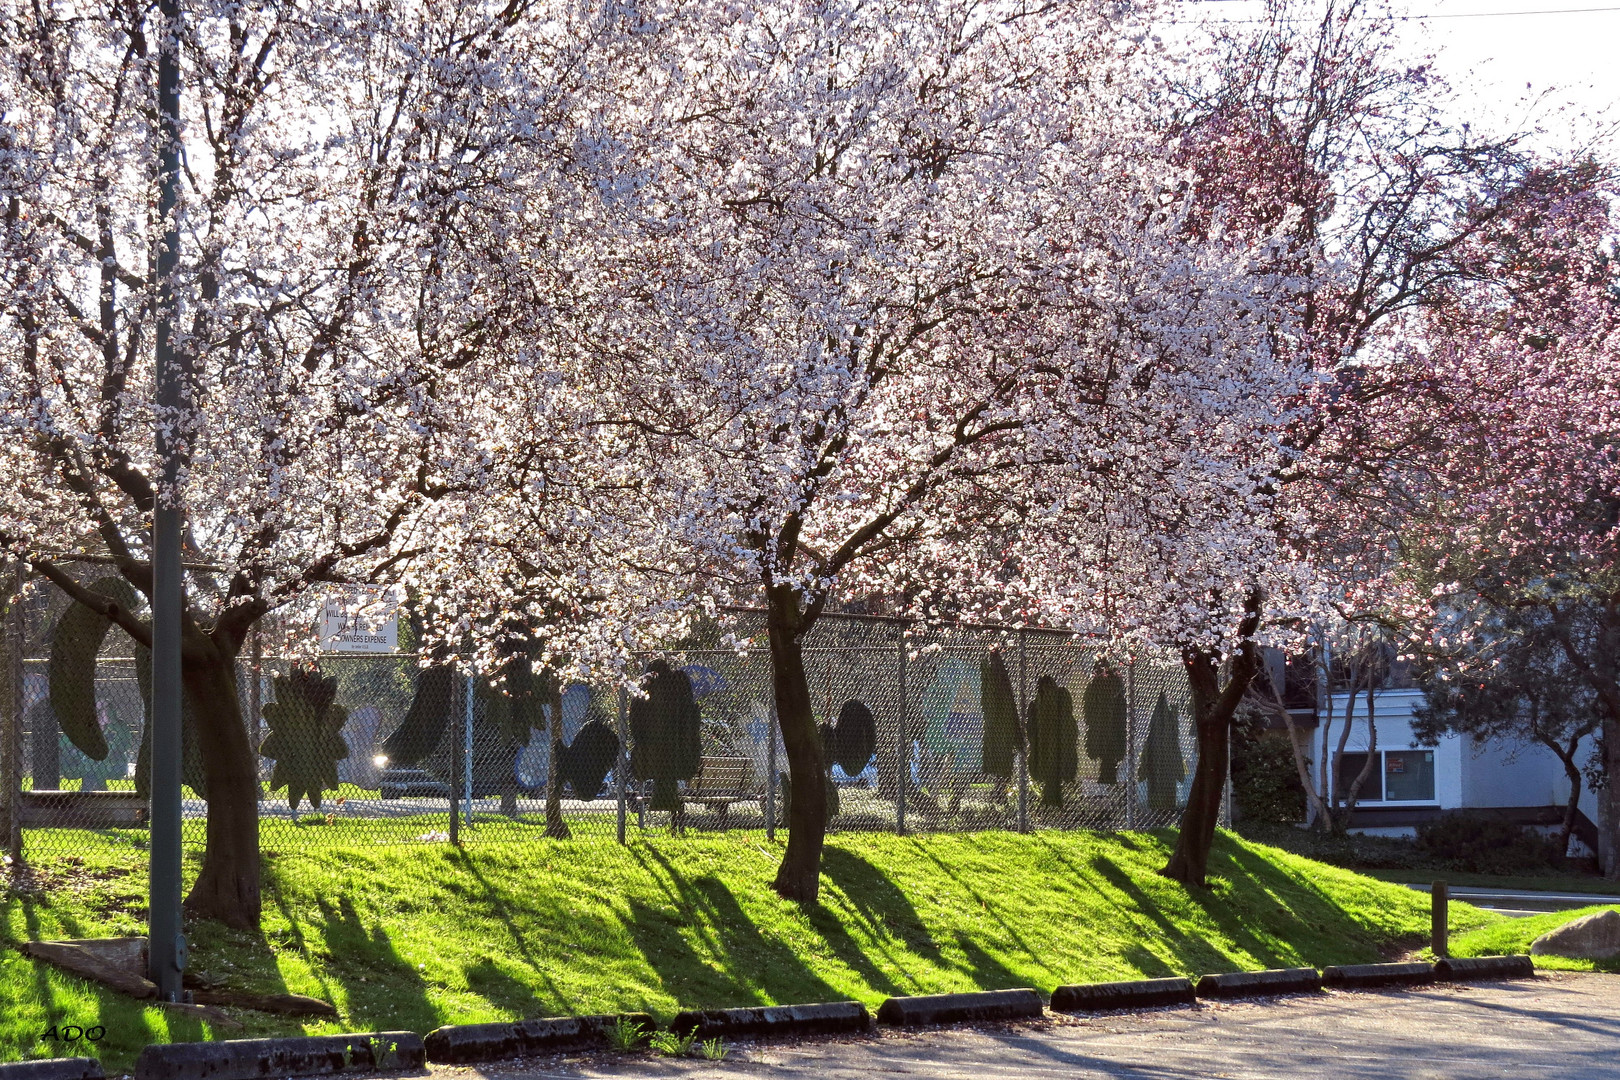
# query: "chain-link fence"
(926, 728)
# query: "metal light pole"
(166, 946)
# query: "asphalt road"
(1563, 1026)
(1521, 902)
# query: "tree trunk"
(1354, 794)
(1572, 770)
(1214, 708)
(799, 877)
(556, 827)
(1190, 860)
(227, 889)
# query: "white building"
(1521, 782)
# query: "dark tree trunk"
(227, 889)
(1190, 860)
(556, 827)
(1214, 707)
(799, 877)
(1573, 807)
(1572, 770)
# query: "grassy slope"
(1515, 936)
(412, 937)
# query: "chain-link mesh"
(925, 728)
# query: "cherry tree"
(341, 293)
(884, 285)
(1501, 507)
(1305, 129)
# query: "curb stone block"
(786, 1021)
(76, 1068)
(986, 1005)
(1241, 984)
(1475, 968)
(251, 1059)
(458, 1044)
(1134, 994)
(1356, 976)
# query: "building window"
(1396, 776)
(1409, 776)
(1350, 766)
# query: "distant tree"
(1162, 765)
(1003, 734)
(1519, 687)
(306, 735)
(1054, 738)
(1105, 722)
(666, 737)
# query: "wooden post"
(1439, 919)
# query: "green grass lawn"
(1515, 936)
(413, 936)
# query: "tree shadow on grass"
(895, 931)
(1192, 953)
(1341, 937)
(498, 907)
(708, 953)
(491, 981)
(993, 910)
(384, 992)
(987, 972)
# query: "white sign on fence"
(362, 619)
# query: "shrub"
(1484, 845)
(1265, 778)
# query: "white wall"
(1466, 773)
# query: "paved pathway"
(1564, 1026)
(1522, 902)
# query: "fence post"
(902, 749)
(455, 775)
(1023, 711)
(770, 773)
(12, 748)
(1130, 744)
(255, 691)
(623, 764)
(467, 757)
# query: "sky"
(1554, 63)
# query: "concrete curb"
(1240, 984)
(1137, 994)
(785, 1021)
(985, 1005)
(1477, 968)
(458, 1044)
(1357, 976)
(80, 1068)
(250, 1059)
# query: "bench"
(49, 809)
(722, 781)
